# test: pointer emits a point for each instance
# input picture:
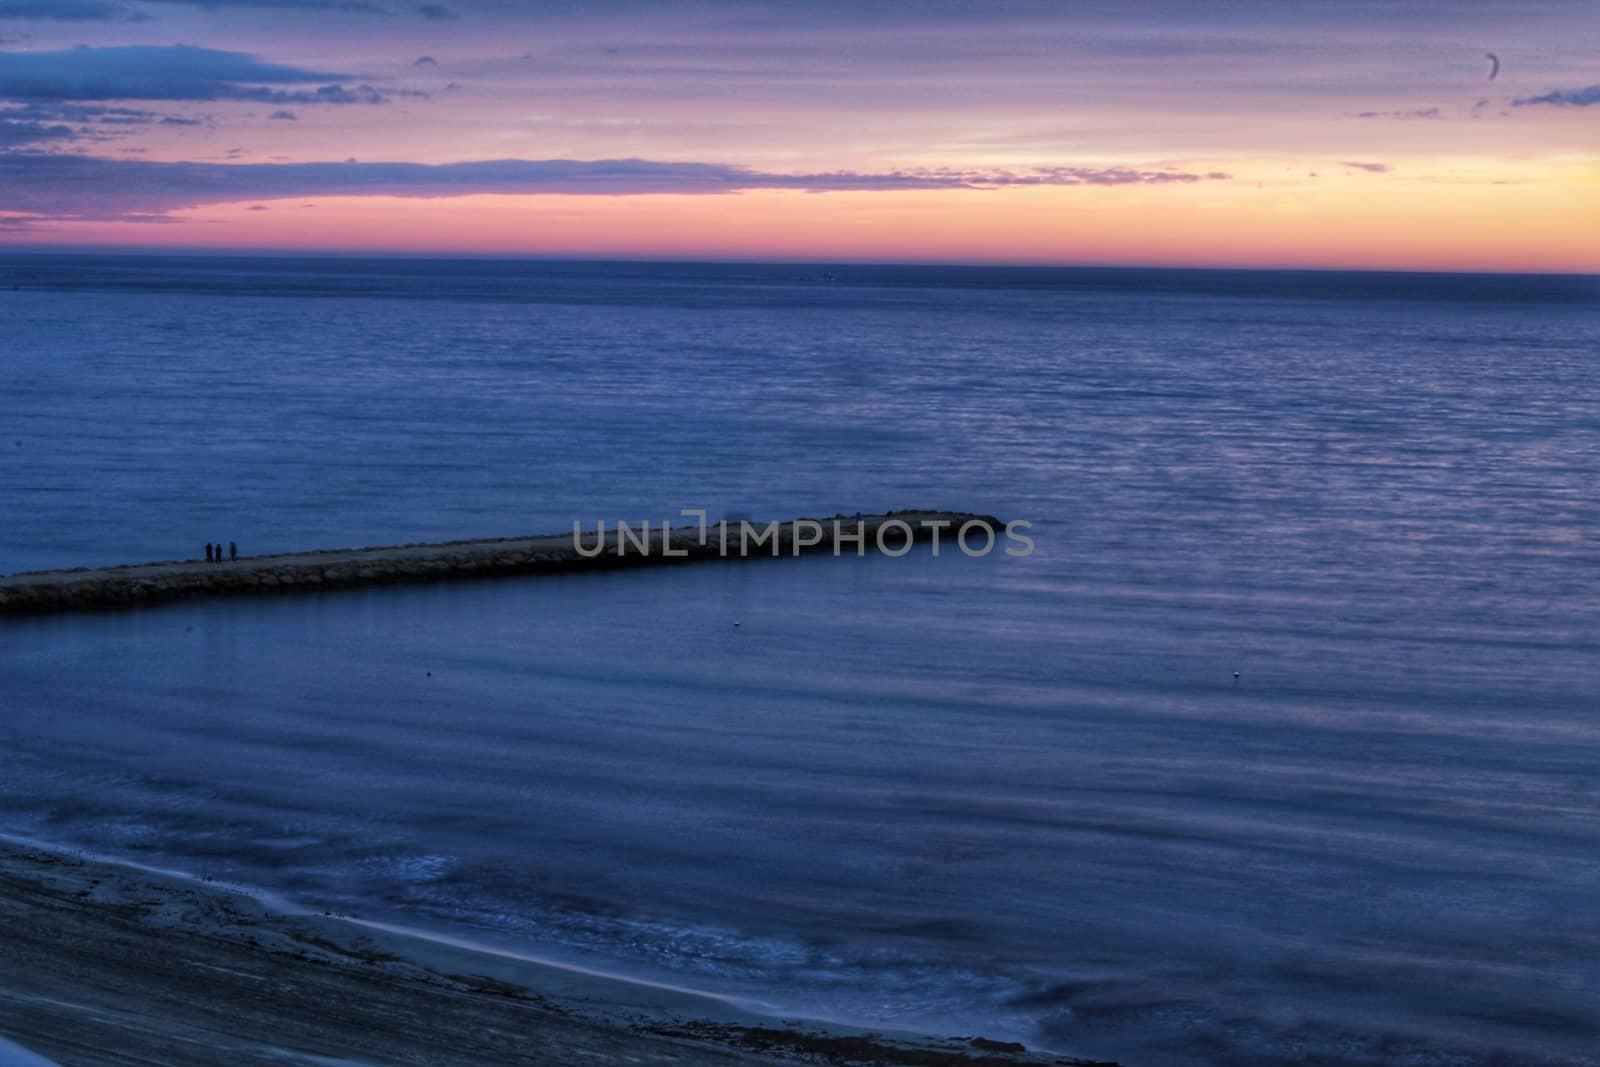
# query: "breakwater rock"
(622, 545)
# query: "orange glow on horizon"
(1361, 221)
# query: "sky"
(1388, 134)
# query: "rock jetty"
(624, 545)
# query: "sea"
(1282, 746)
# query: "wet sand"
(103, 963)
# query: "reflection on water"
(1022, 795)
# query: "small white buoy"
(737, 623)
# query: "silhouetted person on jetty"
(208, 551)
(233, 551)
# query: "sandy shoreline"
(104, 963)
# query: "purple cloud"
(1414, 113)
(62, 10)
(1371, 168)
(41, 121)
(16, 134)
(360, 6)
(86, 187)
(178, 72)
(1589, 94)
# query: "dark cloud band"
(113, 11)
(178, 72)
(88, 187)
(1585, 97)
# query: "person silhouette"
(233, 550)
(219, 552)
(208, 551)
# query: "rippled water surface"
(1024, 797)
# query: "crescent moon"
(1494, 71)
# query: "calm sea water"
(1022, 797)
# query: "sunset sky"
(1350, 134)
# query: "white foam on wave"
(265, 897)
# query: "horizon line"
(150, 252)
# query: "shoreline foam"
(105, 962)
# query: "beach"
(104, 963)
